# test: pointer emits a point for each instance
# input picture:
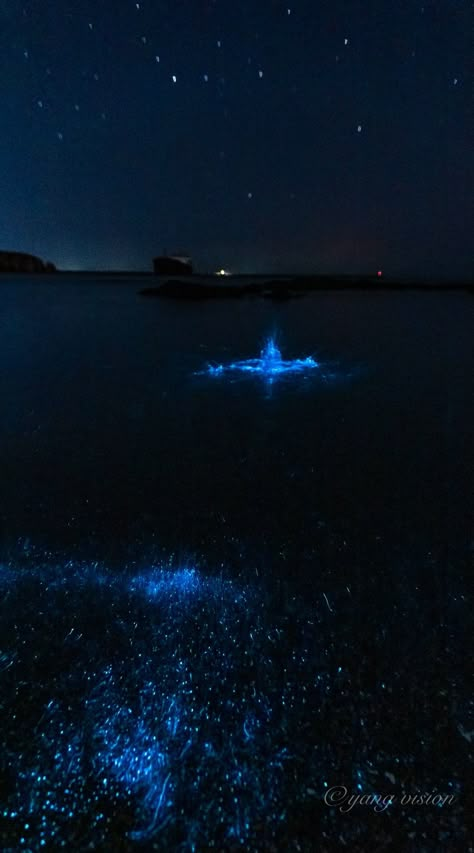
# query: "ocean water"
(227, 592)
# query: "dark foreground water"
(235, 608)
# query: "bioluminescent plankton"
(269, 365)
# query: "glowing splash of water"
(269, 365)
(271, 356)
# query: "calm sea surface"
(337, 502)
(106, 430)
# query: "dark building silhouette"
(12, 262)
(172, 265)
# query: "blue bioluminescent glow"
(163, 582)
(152, 708)
(181, 586)
(171, 708)
(269, 365)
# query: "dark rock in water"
(173, 265)
(278, 290)
(13, 262)
(198, 289)
(178, 289)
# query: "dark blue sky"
(259, 135)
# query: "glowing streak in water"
(145, 707)
(269, 365)
(145, 704)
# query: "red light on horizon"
(379, 274)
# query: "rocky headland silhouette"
(22, 262)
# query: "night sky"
(309, 135)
